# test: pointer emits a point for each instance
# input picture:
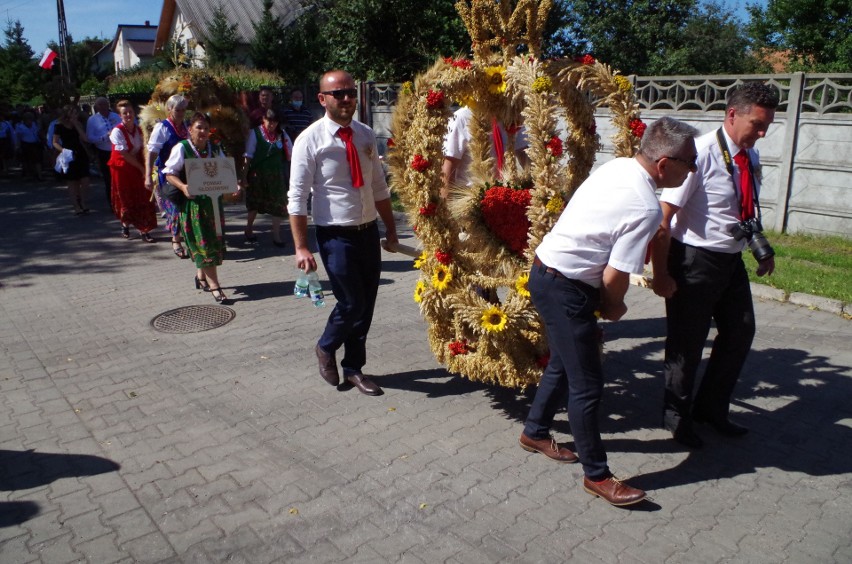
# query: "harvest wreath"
(480, 241)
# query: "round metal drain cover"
(192, 319)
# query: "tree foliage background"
(392, 40)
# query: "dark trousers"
(103, 159)
(353, 262)
(710, 286)
(567, 308)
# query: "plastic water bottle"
(315, 289)
(300, 290)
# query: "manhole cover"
(192, 319)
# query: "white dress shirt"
(319, 166)
(709, 199)
(98, 129)
(609, 220)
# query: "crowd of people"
(145, 180)
(694, 233)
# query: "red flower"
(543, 361)
(463, 64)
(504, 210)
(444, 257)
(554, 146)
(419, 164)
(586, 59)
(434, 99)
(428, 209)
(391, 143)
(637, 127)
(459, 347)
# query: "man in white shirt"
(698, 267)
(581, 270)
(98, 128)
(336, 160)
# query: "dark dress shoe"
(614, 491)
(687, 437)
(549, 448)
(328, 367)
(364, 384)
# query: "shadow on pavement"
(17, 512)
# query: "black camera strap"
(729, 164)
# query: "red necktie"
(345, 133)
(498, 146)
(746, 185)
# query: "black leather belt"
(349, 228)
(537, 262)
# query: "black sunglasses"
(693, 164)
(341, 94)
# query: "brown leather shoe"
(614, 491)
(328, 367)
(549, 448)
(364, 384)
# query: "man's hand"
(766, 267)
(305, 260)
(663, 285)
(613, 312)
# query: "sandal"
(219, 296)
(125, 231)
(201, 284)
(147, 238)
(178, 250)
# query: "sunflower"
(420, 261)
(441, 278)
(496, 79)
(493, 319)
(418, 291)
(521, 284)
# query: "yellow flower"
(493, 319)
(542, 84)
(521, 284)
(407, 87)
(420, 261)
(496, 78)
(418, 291)
(555, 204)
(468, 101)
(441, 278)
(623, 83)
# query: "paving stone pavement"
(119, 443)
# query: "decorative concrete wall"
(806, 155)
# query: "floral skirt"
(199, 230)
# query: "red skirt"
(131, 202)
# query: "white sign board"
(211, 177)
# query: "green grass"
(810, 264)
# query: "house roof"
(243, 13)
(142, 48)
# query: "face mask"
(296, 104)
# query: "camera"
(752, 231)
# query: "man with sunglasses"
(698, 267)
(336, 160)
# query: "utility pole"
(64, 63)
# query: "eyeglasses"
(343, 93)
(693, 164)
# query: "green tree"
(268, 41)
(221, 40)
(20, 76)
(817, 34)
(382, 40)
(659, 36)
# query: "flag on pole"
(47, 59)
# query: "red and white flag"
(47, 59)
